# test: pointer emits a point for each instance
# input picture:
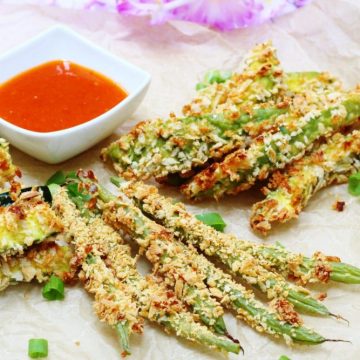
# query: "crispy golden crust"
(180, 265)
(39, 262)
(167, 256)
(289, 191)
(113, 298)
(307, 121)
(174, 216)
(227, 249)
(213, 125)
(7, 170)
(121, 292)
(242, 91)
(27, 221)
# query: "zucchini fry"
(177, 145)
(160, 305)
(113, 299)
(26, 221)
(7, 169)
(310, 117)
(122, 295)
(260, 81)
(174, 267)
(155, 240)
(240, 262)
(289, 191)
(318, 268)
(52, 257)
(220, 120)
(228, 96)
(156, 302)
(272, 257)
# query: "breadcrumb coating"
(27, 221)
(113, 298)
(274, 258)
(121, 292)
(229, 250)
(311, 116)
(213, 125)
(7, 170)
(190, 267)
(290, 190)
(52, 257)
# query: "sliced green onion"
(212, 219)
(200, 86)
(58, 178)
(284, 130)
(123, 332)
(90, 259)
(38, 348)
(214, 76)
(53, 289)
(217, 76)
(74, 191)
(354, 184)
(284, 357)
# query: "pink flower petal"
(220, 14)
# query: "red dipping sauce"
(57, 95)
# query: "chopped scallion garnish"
(58, 178)
(200, 86)
(217, 76)
(212, 219)
(53, 289)
(354, 184)
(38, 348)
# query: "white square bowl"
(62, 43)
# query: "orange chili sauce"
(57, 95)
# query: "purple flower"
(220, 14)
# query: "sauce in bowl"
(57, 95)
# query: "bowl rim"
(91, 122)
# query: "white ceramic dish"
(62, 43)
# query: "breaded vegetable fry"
(319, 116)
(52, 257)
(295, 85)
(192, 231)
(113, 299)
(7, 169)
(179, 273)
(178, 145)
(161, 305)
(222, 118)
(27, 221)
(122, 295)
(304, 269)
(157, 242)
(124, 216)
(289, 191)
(272, 257)
(260, 81)
(155, 301)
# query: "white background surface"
(324, 35)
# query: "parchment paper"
(324, 35)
